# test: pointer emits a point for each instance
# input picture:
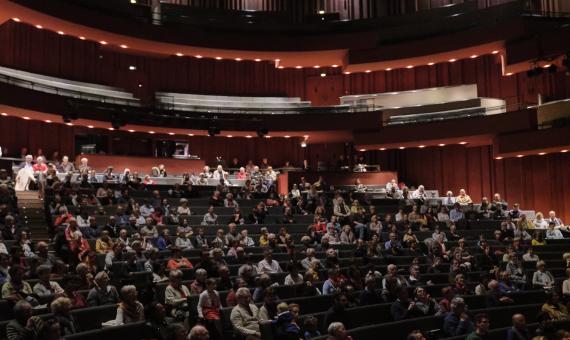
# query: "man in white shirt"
(449, 199)
(146, 209)
(419, 193)
(220, 174)
(552, 218)
(391, 184)
(553, 234)
(268, 264)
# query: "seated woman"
(176, 295)
(209, 309)
(199, 284)
(424, 302)
(177, 261)
(129, 309)
(463, 198)
(60, 308)
(539, 221)
(541, 278)
(104, 244)
(538, 239)
(554, 308)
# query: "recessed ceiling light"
(542, 153)
(402, 147)
(382, 149)
(334, 65)
(132, 67)
(298, 66)
(16, 19)
(421, 146)
(191, 134)
(306, 136)
(230, 136)
(248, 136)
(257, 59)
(131, 130)
(218, 58)
(362, 150)
(3, 114)
(317, 66)
(82, 38)
(239, 59)
(151, 132)
(89, 126)
(199, 56)
(347, 72)
(441, 144)
(462, 143)
(124, 46)
(179, 54)
(546, 66)
(48, 121)
(287, 136)
(520, 156)
(509, 74)
(495, 52)
(111, 129)
(323, 75)
(498, 158)
(60, 32)
(281, 67)
(69, 124)
(452, 60)
(431, 63)
(277, 60)
(26, 118)
(171, 133)
(103, 42)
(474, 56)
(39, 27)
(564, 151)
(410, 66)
(267, 136)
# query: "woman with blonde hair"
(129, 309)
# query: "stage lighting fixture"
(262, 132)
(213, 130)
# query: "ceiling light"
(321, 12)
(421, 146)
(199, 56)
(89, 126)
(564, 151)
(133, 1)
(171, 133)
(39, 27)
(452, 60)
(474, 56)
(286, 136)
(402, 147)
(323, 75)
(362, 150)
(495, 52)
(103, 42)
(281, 67)
(26, 118)
(131, 130)
(410, 66)
(277, 60)
(248, 136)
(306, 136)
(431, 63)
(382, 149)
(124, 46)
(48, 121)
(60, 32)
(132, 67)
(230, 136)
(546, 66)
(389, 69)
(268, 136)
(520, 156)
(441, 144)
(498, 158)
(82, 38)
(111, 129)
(367, 71)
(542, 153)
(317, 66)
(462, 143)
(239, 59)
(298, 66)
(509, 74)
(69, 124)
(3, 114)
(334, 65)
(16, 19)
(257, 59)
(151, 132)
(191, 134)
(347, 72)
(179, 54)
(218, 58)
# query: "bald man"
(198, 333)
(518, 331)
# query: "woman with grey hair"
(337, 331)
(130, 309)
(176, 295)
(245, 316)
(60, 308)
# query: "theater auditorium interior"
(284, 169)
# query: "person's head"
(201, 274)
(243, 296)
(43, 272)
(129, 294)
(553, 298)
(199, 332)
(102, 279)
(175, 331)
(540, 265)
(61, 306)
(16, 273)
(392, 269)
(337, 330)
(482, 323)
(460, 279)
(269, 296)
(420, 293)
(268, 254)
(342, 300)
(416, 335)
(175, 278)
(403, 294)
(457, 305)
(519, 322)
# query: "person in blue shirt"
(457, 321)
(164, 241)
(519, 330)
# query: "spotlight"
(262, 132)
(303, 144)
(213, 130)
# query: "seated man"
(553, 234)
(16, 289)
(24, 326)
(245, 316)
(457, 321)
(463, 198)
(45, 289)
(103, 293)
(481, 327)
(268, 264)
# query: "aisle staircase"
(32, 214)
